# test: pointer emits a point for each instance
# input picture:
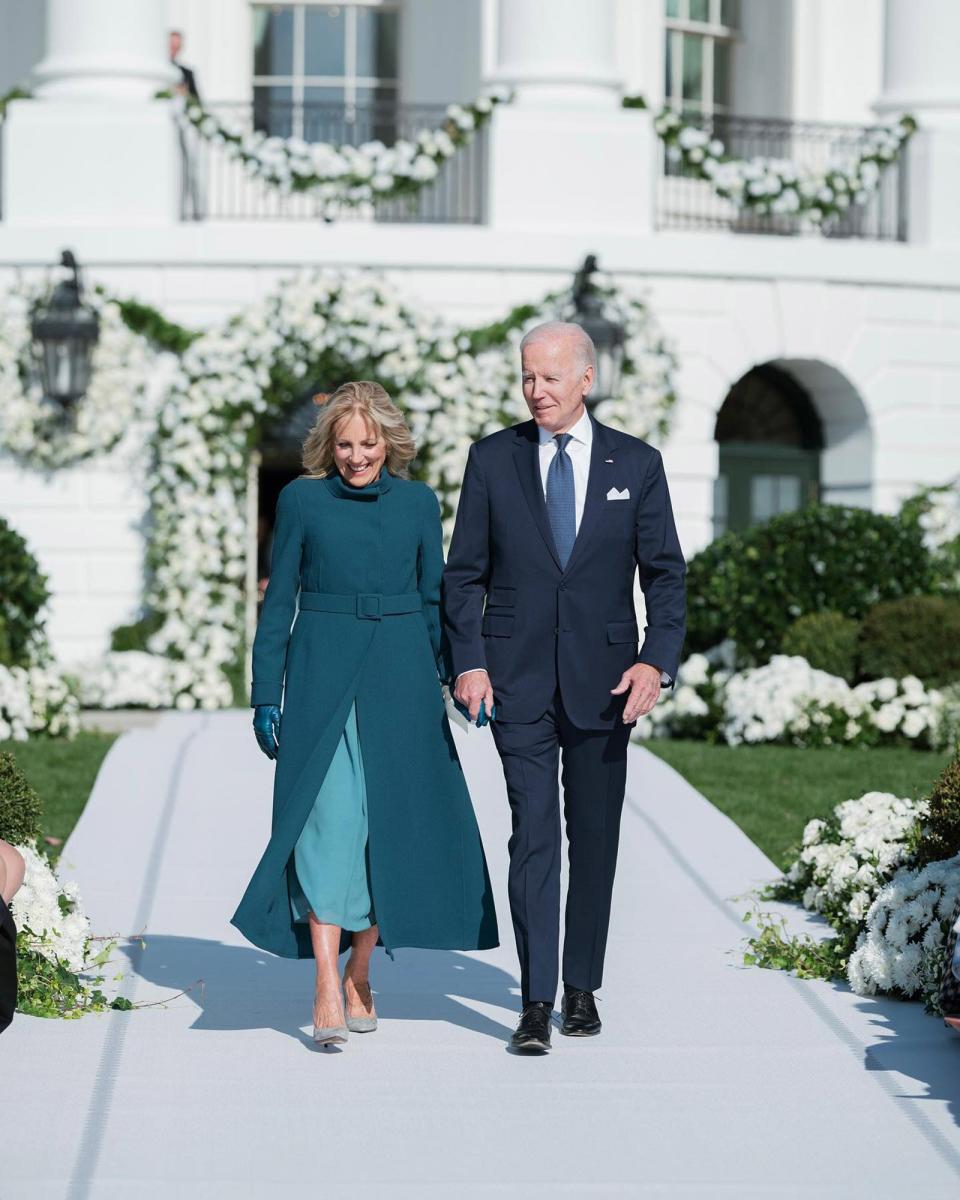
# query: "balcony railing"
(687, 202)
(218, 187)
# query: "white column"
(93, 146)
(104, 49)
(560, 54)
(920, 77)
(564, 155)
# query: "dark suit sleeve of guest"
(662, 570)
(279, 602)
(467, 570)
(430, 571)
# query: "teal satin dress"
(330, 857)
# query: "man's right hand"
(471, 688)
(266, 725)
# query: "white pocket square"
(613, 494)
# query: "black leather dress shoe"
(579, 1012)
(533, 1030)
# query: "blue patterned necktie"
(561, 500)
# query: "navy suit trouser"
(594, 776)
(8, 966)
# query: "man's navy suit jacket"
(511, 608)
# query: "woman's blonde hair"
(371, 401)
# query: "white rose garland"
(342, 177)
(779, 187)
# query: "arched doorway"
(275, 462)
(770, 438)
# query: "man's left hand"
(643, 682)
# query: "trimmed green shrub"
(939, 833)
(919, 635)
(827, 640)
(752, 586)
(6, 654)
(134, 636)
(20, 810)
(23, 594)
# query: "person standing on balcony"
(555, 517)
(374, 839)
(192, 196)
(188, 78)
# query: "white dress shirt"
(579, 448)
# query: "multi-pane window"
(311, 61)
(700, 38)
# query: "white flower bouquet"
(58, 957)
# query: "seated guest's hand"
(471, 688)
(266, 725)
(643, 682)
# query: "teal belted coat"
(365, 565)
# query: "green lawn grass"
(772, 791)
(62, 774)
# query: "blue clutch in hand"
(460, 714)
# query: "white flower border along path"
(456, 386)
(344, 177)
(31, 428)
(889, 913)
(779, 187)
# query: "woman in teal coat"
(374, 839)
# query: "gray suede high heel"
(359, 1024)
(330, 1035)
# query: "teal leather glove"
(266, 725)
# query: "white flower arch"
(454, 385)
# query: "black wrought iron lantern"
(608, 336)
(65, 333)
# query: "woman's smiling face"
(359, 451)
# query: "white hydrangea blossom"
(844, 860)
(57, 935)
(131, 679)
(788, 700)
(36, 699)
(763, 704)
(901, 947)
(115, 404)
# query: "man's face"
(554, 382)
(176, 42)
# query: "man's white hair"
(586, 351)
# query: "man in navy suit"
(556, 516)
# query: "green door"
(758, 481)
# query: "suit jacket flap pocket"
(497, 624)
(623, 631)
(502, 597)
